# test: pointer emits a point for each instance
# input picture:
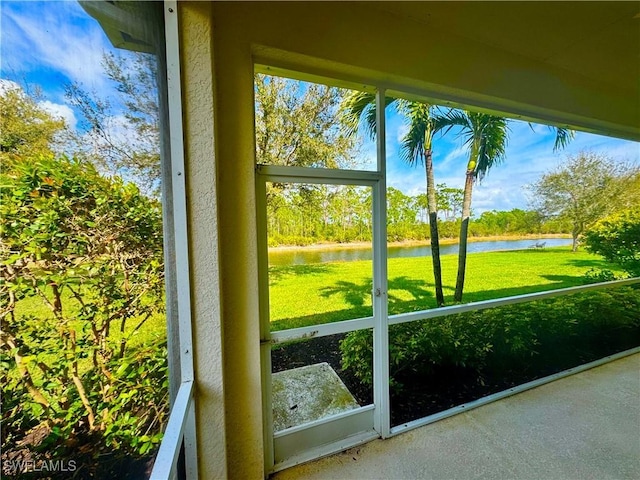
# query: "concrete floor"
(586, 426)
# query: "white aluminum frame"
(335, 431)
(265, 331)
(382, 419)
(380, 320)
(499, 302)
(164, 466)
(181, 428)
(323, 437)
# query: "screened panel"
(314, 277)
(440, 363)
(306, 124)
(311, 381)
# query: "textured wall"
(198, 107)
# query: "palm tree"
(486, 137)
(359, 107)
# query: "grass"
(304, 295)
(153, 329)
(150, 331)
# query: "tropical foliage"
(417, 149)
(547, 335)
(486, 138)
(81, 275)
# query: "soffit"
(598, 40)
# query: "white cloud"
(401, 131)
(58, 110)
(8, 85)
(457, 155)
(53, 35)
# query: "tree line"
(342, 214)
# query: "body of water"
(304, 256)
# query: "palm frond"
(359, 109)
(494, 135)
(564, 136)
(354, 106)
(419, 134)
(445, 121)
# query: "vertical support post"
(380, 303)
(171, 295)
(265, 328)
(180, 224)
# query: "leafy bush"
(617, 238)
(594, 275)
(85, 253)
(535, 335)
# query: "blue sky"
(50, 44)
(529, 155)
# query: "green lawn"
(328, 292)
(322, 293)
(153, 329)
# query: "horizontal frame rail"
(325, 329)
(321, 330)
(323, 437)
(323, 421)
(318, 175)
(169, 451)
(499, 302)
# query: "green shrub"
(85, 252)
(617, 238)
(520, 337)
(594, 275)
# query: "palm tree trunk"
(433, 226)
(464, 231)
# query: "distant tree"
(421, 204)
(297, 124)
(26, 129)
(121, 134)
(617, 238)
(401, 214)
(515, 221)
(449, 200)
(585, 188)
